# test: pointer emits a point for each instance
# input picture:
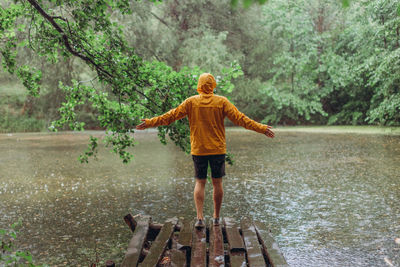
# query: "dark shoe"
(216, 221)
(199, 224)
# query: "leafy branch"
(129, 88)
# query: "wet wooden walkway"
(178, 243)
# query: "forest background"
(308, 62)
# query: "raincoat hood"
(206, 84)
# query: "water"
(329, 199)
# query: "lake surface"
(329, 199)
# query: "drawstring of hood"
(206, 84)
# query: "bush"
(10, 255)
(13, 123)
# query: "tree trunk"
(28, 106)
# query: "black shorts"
(217, 164)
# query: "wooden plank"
(270, 247)
(159, 245)
(178, 258)
(199, 246)
(135, 246)
(130, 221)
(237, 259)
(235, 240)
(216, 251)
(154, 231)
(236, 251)
(255, 256)
(185, 234)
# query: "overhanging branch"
(160, 19)
(64, 36)
(66, 41)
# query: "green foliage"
(346, 3)
(10, 255)
(386, 81)
(365, 84)
(10, 123)
(125, 87)
(11, 119)
(329, 71)
(107, 64)
(91, 151)
(30, 79)
(293, 93)
(387, 112)
(290, 108)
(196, 52)
(247, 3)
(230, 158)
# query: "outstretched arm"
(240, 119)
(165, 119)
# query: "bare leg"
(199, 197)
(218, 194)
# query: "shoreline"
(342, 129)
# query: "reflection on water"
(329, 199)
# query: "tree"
(364, 66)
(124, 87)
(301, 30)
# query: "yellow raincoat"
(206, 113)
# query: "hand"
(269, 132)
(141, 126)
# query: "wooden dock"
(178, 243)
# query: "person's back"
(206, 119)
(206, 113)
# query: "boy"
(206, 113)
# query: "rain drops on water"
(388, 262)
(304, 200)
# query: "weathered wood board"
(185, 234)
(178, 258)
(232, 243)
(255, 257)
(159, 245)
(135, 246)
(235, 240)
(236, 248)
(199, 246)
(270, 247)
(216, 251)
